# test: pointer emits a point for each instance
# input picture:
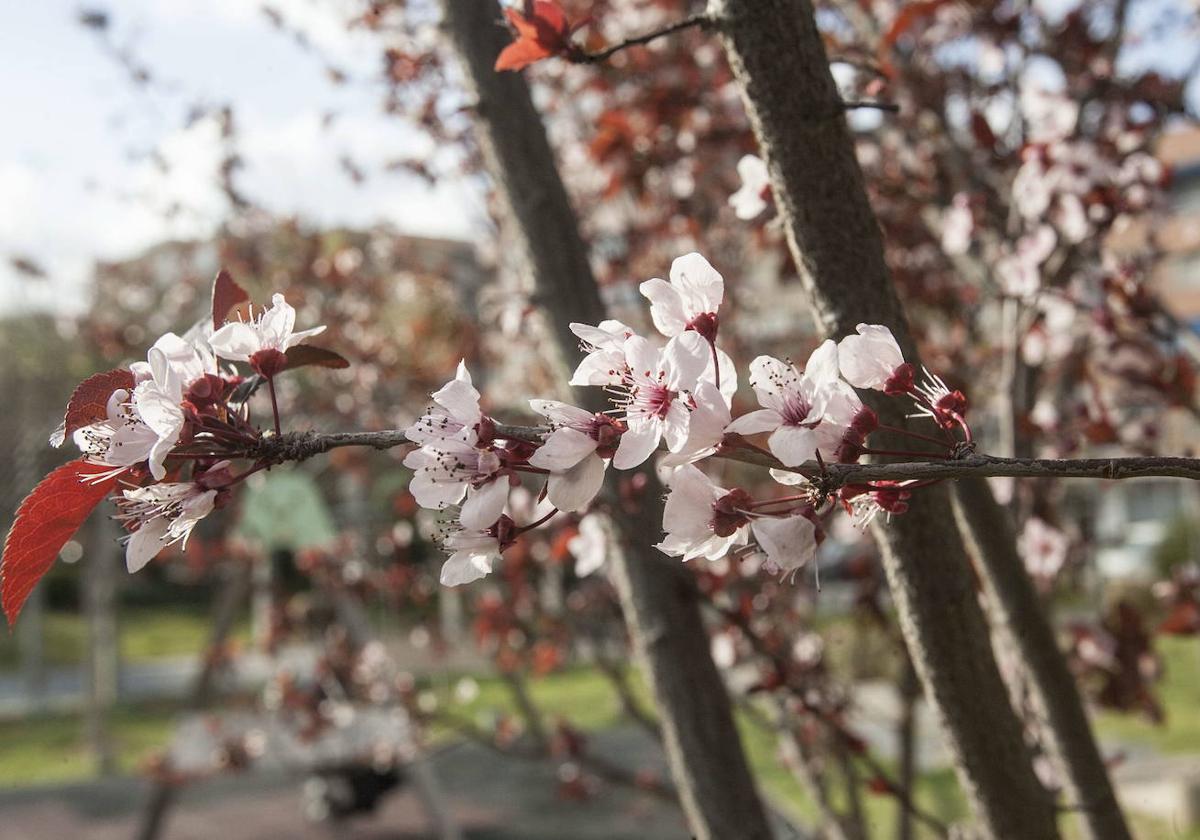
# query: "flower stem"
(525, 528)
(912, 434)
(716, 364)
(903, 453)
(274, 403)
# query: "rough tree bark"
(992, 541)
(659, 600)
(778, 57)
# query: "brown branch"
(618, 677)
(854, 104)
(580, 56)
(299, 446)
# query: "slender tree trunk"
(906, 745)
(778, 57)
(1055, 693)
(225, 611)
(659, 600)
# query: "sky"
(77, 182)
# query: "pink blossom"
(751, 198)
(803, 412)
(455, 413)
(448, 470)
(654, 397)
(473, 551)
(574, 452)
(690, 302)
(174, 364)
(872, 359)
(704, 520)
(262, 340)
(604, 363)
(163, 514)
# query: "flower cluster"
(673, 395)
(183, 410)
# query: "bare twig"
(856, 104)
(580, 56)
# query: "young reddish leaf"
(904, 21)
(540, 34)
(48, 517)
(306, 354)
(89, 400)
(226, 294)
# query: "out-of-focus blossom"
(751, 198)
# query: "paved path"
(492, 797)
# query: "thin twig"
(855, 104)
(580, 56)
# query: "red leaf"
(520, 54)
(48, 517)
(226, 294)
(542, 33)
(306, 354)
(89, 400)
(1183, 620)
(904, 21)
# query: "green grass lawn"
(145, 633)
(52, 749)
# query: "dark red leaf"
(226, 294)
(520, 54)
(306, 354)
(1183, 620)
(89, 401)
(541, 32)
(48, 517)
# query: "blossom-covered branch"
(164, 436)
(296, 446)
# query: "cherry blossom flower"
(867, 501)
(690, 302)
(604, 345)
(654, 397)
(936, 401)
(474, 550)
(804, 412)
(751, 198)
(119, 441)
(958, 223)
(262, 341)
(174, 365)
(455, 413)
(447, 470)
(574, 452)
(164, 514)
(1020, 273)
(706, 426)
(1043, 547)
(704, 520)
(590, 546)
(872, 359)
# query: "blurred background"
(299, 671)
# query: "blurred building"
(1133, 518)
